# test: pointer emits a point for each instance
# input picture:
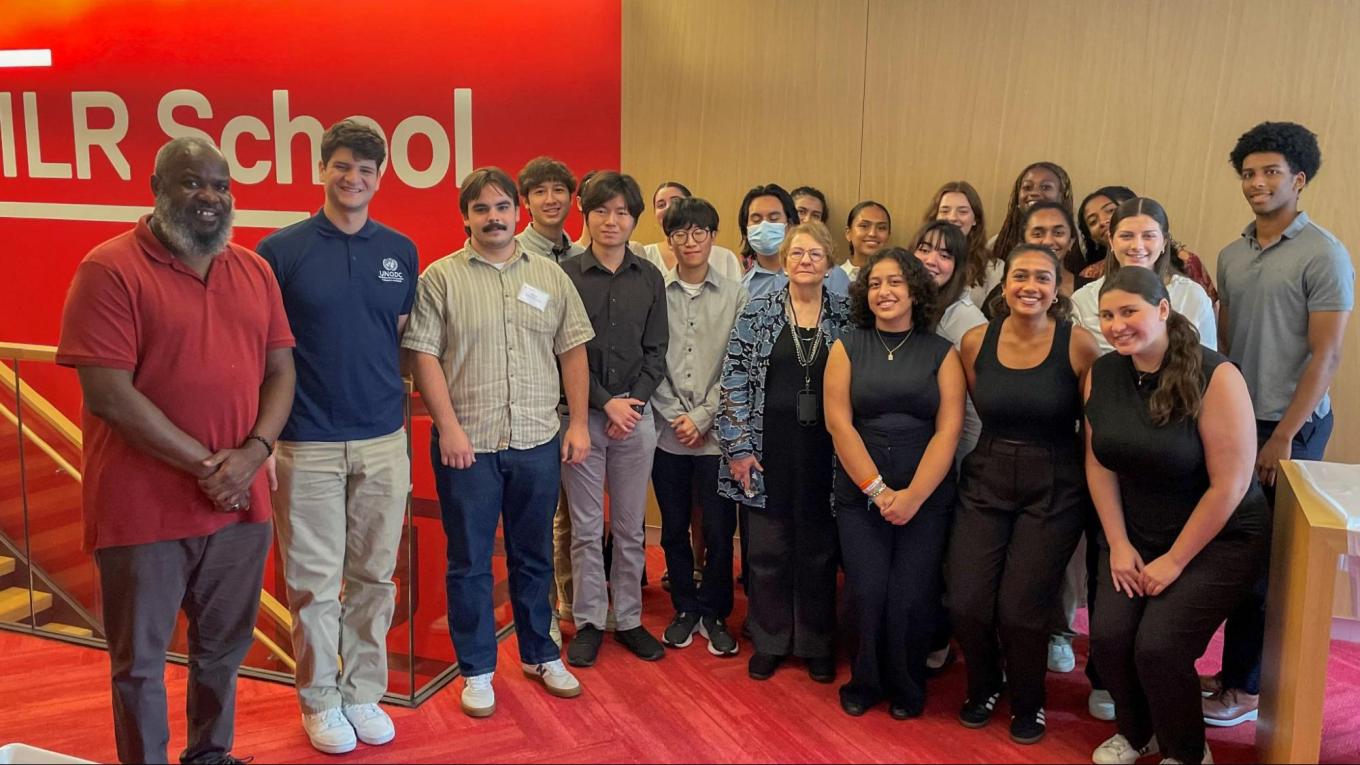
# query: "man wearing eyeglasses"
(701, 307)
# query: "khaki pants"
(562, 553)
(339, 512)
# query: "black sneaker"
(720, 641)
(1028, 729)
(583, 649)
(222, 758)
(763, 665)
(977, 714)
(680, 633)
(641, 643)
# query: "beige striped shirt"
(497, 340)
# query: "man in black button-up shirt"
(625, 298)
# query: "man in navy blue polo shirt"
(344, 474)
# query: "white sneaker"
(329, 731)
(935, 660)
(1101, 705)
(479, 700)
(1118, 751)
(1060, 655)
(555, 678)
(372, 724)
(1208, 758)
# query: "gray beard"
(177, 228)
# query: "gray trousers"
(216, 580)
(625, 466)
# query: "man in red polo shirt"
(185, 361)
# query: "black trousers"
(1244, 634)
(1147, 647)
(791, 578)
(216, 580)
(680, 479)
(1020, 515)
(892, 577)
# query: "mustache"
(488, 228)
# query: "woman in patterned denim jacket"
(788, 533)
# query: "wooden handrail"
(46, 448)
(28, 352)
(30, 399)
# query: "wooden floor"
(689, 707)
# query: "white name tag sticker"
(531, 295)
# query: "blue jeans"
(1244, 634)
(522, 486)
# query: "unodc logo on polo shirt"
(390, 271)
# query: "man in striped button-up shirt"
(489, 324)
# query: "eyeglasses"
(696, 235)
(816, 256)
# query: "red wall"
(543, 78)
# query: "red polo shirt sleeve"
(99, 322)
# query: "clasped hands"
(226, 476)
(896, 506)
(1133, 577)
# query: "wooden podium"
(1316, 532)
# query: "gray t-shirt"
(1269, 294)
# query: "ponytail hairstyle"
(1060, 310)
(1180, 393)
(975, 265)
(1013, 227)
(1151, 208)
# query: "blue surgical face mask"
(766, 236)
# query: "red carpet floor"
(689, 707)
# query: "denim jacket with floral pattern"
(741, 419)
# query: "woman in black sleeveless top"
(1022, 492)
(1170, 458)
(894, 395)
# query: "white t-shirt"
(1187, 299)
(991, 278)
(958, 318)
(723, 261)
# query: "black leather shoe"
(763, 665)
(901, 711)
(641, 643)
(822, 669)
(585, 646)
(852, 708)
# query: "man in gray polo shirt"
(1286, 288)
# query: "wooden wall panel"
(887, 99)
(724, 95)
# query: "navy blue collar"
(327, 228)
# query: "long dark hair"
(975, 267)
(1061, 310)
(1153, 209)
(920, 288)
(953, 240)
(1180, 392)
(1096, 251)
(1013, 227)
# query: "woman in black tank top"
(1184, 543)
(1022, 491)
(894, 395)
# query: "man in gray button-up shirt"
(701, 306)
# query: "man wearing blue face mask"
(766, 213)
